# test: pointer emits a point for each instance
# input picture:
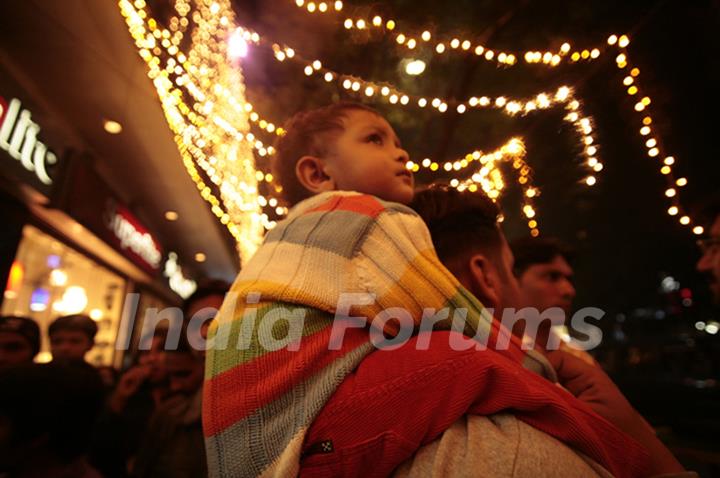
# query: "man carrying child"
(351, 253)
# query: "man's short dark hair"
(460, 222)
(23, 326)
(77, 322)
(530, 251)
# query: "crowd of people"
(69, 419)
(361, 258)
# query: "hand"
(589, 384)
(128, 385)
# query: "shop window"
(49, 279)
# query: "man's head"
(469, 242)
(71, 337)
(709, 263)
(343, 146)
(156, 357)
(19, 340)
(185, 368)
(543, 270)
(205, 303)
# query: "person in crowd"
(19, 340)
(139, 392)
(709, 263)
(543, 267)
(203, 305)
(544, 272)
(302, 386)
(174, 444)
(46, 417)
(470, 243)
(71, 337)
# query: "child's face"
(367, 157)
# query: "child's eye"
(375, 138)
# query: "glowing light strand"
(389, 93)
(182, 75)
(467, 44)
(551, 58)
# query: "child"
(343, 170)
(72, 337)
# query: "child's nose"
(402, 155)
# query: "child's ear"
(310, 171)
(484, 281)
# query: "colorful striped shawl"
(259, 404)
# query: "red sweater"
(398, 401)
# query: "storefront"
(68, 245)
(49, 279)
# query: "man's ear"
(310, 171)
(484, 280)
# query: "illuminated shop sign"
(180, 284)
(130, 236)
(19, 138)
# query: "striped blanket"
(259, 399)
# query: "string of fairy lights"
(370, 90)
(183, 74)
(491, 187)
(202, 93)
(204, 114)
(489, 177)
(615, 45)
(413, 40)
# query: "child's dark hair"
(308, 133)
